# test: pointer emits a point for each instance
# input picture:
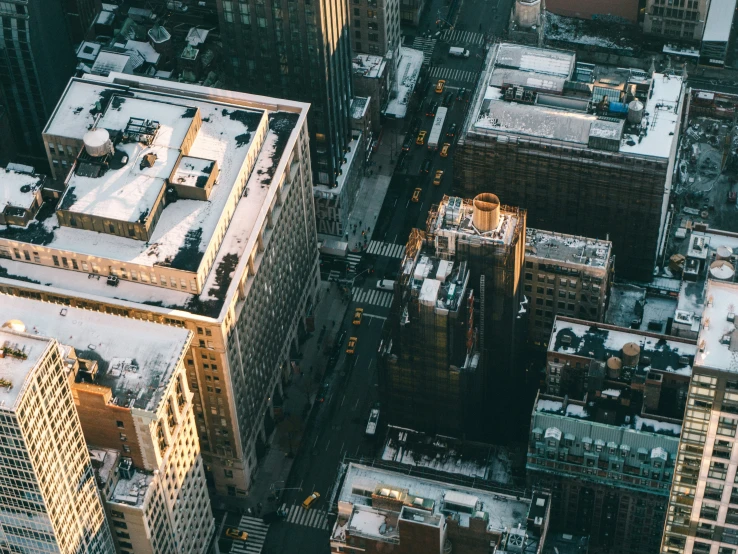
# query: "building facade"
(702, 515)
(628, 11)
(51, 503)
(300, 51)
(375, 28)
(564, 275)
(685, 21)
(36, 61)
(79, 15)
(239, 271)
(554, 141)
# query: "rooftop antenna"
(668, 69)
(684, 71)
(652, 69)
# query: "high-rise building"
(428, 361)
(703, 506)
(79, 15)
(129, 386)
(36, 62)
(382, 510)
(50, 501)
(300, 51)
(191, 207)
(687, 23)
(375, 28)
(564, 275)
(587, 150)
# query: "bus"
(371, 426)
(437, 129)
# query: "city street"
(337, 429)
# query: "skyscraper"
(36, 61)
(49, 500)
(298, 50)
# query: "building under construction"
(481, 244)
(586, 150)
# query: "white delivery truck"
(437, 129)
(458, 52)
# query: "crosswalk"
(427, 45)
(309, 518)
(380, 298)
(450, 74)
(257, 531)
(353, 260)
(462, 37)
(379, 248)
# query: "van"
(458, 52)
(385, 284)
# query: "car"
(439, 176)
(431, 111)
(358, 314)
(448, 99)
(439, 86)
(407, 144)
(421, 138)
(236, 534)
(425, 167)
(416, 195)
(386, 284)
(322, 393)
(310, 500)
(451, 133)
(460, 95)
(351, 347)
(444, 149)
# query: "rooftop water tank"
(486, 214)
(97, 143)
(635, 111)
(724, 252)
(722, 270)
(527, 12)
(631, 354)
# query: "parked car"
(439, 176)
(421, 138)
(444, 150)
(407, 144)
(425, 166)
(416, 195)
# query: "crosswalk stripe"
(373, 297)
(257, 531)
(308, 518)
(389, 249)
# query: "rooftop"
(719, 21)
(601, 342)
(136, 359)
(437, 282)
(545, 93)
(21, 353)
(103, 462)
(18, 189)
(504, 512)
(567, 248)
(368, 66)
(132, 490)
(718, 338)
(408, 71)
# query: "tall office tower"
(36, 61)
(300, 51)
(129, 385)
(428, 361)
(703, 506)
(490, 238)
(587, 150)
(191, 207)
(685, 21)
(564, 275)
(49, 500)
(375, 28)
(80, 15)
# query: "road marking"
(257, 531)
(307, 518)
(327, 445)
(343, 400)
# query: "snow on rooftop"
(18, 189)
(656, 426)
(132, 491)
(408, 70)
(567, 248)
(145, 49)
(549, 406)
(718, 338)
(575, 410)
(107, 62)
(368, 66)
(192, 172)
(14, 368)
(136, 358)
(719, 21)
(367, 522)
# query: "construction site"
(453, 329)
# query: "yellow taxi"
(351, 347)
(416, 195)
(421, 138)
(236, 534)
(438, 177)
(444, 149)
(358, 314)
(310, 500)
(439, 86)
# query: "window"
(228, 473)
(709, 511)
(727, 426)
(718, 470)
(120, 524)
(56, 260)
(116, 513)
(714, 491)
(120, 424)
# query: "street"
(337, 428)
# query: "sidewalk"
(285, 442)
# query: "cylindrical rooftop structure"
(486, 214)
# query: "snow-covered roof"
(145, 49)
(368, 66)
(197, 36)
(18, 189)
(567, 248)
(408, 70)
(16, 366)
(136, 358)
(108, 62)
(505, 512)
(192, 172)
(719, 21)
(718, 338)
(132, 492)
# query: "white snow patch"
(408, 69)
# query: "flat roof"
(132, 492)
(368, 66)
(22, 353)
(601, 342)
(136, 359)
(567, 248)
(718, 337)
(505, 512)
(719, 21)
(18, 189)
(193, 172)
(455, 217)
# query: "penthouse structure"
(189, 207)
(428, 363)
(381, 509)
(703, 506)
(50, 502)
(129, 385)
(564, 275)
(587, 150)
